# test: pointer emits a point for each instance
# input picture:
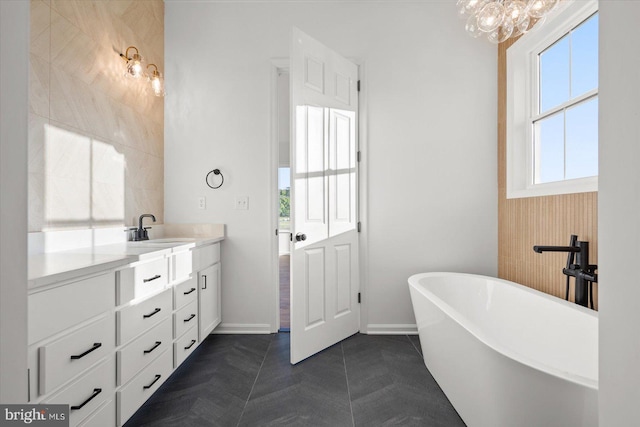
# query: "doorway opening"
(284, 201)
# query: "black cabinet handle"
(189, 318)
(152, 382)
(205, 282)
(96, 345)
(157, 276)
(153, 348)
(154, 312)
(189, 291)
(96, 391)
(190, 345)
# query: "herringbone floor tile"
(247, 380)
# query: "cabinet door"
(209, 300)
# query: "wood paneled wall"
(548, 220)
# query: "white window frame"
(522, 103)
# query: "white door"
(324, 266)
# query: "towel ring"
(215, 172)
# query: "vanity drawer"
(138, 354)
(142, 280)
(184, 318)
(135, 319)
(105, 416)
(54, 310)
(205, 256)
(182, 264)
(184, 346)
(141, 387)
(186, 292)
(89, 392)
(62, 359)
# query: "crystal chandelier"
(501, 19)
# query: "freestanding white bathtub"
(507, 355)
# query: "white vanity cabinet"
(206, 260)
(209, 300)
(185, 298)
(106, 341)
(71, 345)
(144, 332)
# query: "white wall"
(618, 212)
(284, 122)
(429, 139)
(14, 75)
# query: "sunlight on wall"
(85, 180)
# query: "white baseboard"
(243, 328)
(391, 329)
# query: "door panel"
(324, 266)
(309, 181)
(314, 74)
(315, 286)
(343, 283)
(342, 171)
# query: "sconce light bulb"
(134, 67)
(157, 83)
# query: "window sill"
(570, 186)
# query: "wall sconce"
(156, 80)
(135, 70)
(134, 63)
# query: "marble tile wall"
(96, 137)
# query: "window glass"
(550, 149)
(584, 57)
(582, 140)
(284, 188)
(554, 75)
(552, 105)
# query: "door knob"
(300, 237)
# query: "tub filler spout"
(583, 272)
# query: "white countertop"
(52, 267)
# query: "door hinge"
(359, 155)
(358, 85)
(276, 231)
(359, 226)
(359, 298)
(291, 237)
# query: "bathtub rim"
(459, 318)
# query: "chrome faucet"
(141, 232)
(584, 273)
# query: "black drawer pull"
(152, 382)
(204, 286)
(153, 348)
(96, 391)
(96, 345)
(157, 276)
(154, 312)
(190, 345)
(190, 291)
(189, 318)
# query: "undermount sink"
(172, 240)
(161, 242)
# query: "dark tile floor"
(284, 263)
(247, 380)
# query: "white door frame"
(279, 65)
